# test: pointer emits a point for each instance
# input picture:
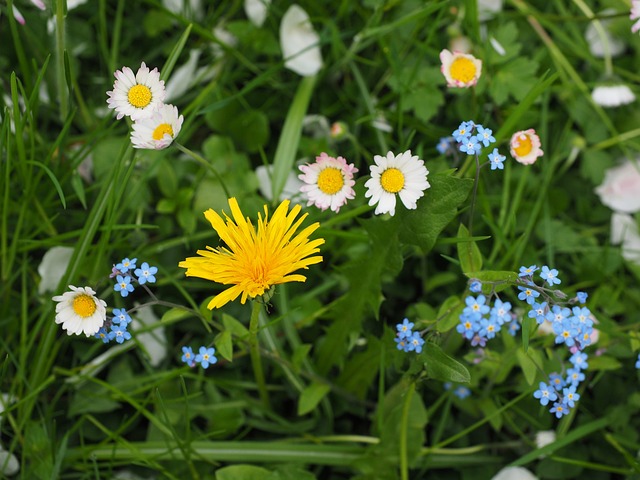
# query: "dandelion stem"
(254, 348)
(200, 159)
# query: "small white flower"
(624, 231)
(620, 189)
(159, 130)
(80, 311)
(256, 11)
(329, 182)
(52, 268)
(403, 174)
(514, 473)
(9, 464)
(462, 70)
(136, 96)
(600, 41)
(300, 43)
(488, 8)
(611, 96)
(525, 146)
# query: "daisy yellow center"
(84, 306)
(139, 96)
(524, 147)
(392, 180)
(161, 130)
(330, 181)
(463, 70)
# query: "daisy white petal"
(256, 11)
(462, 70)
(136, 95)
(329, 182)
(525, 146)
(611, 96)
(159, 130)
(300, 42)
(80, 311)
(403, 174)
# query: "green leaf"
(603, 362)
(250, 130)
(300, 354)
(290, 137)
(449, 314)
(468, 252)
(167, 68)
(174, 315)
(441, 366)
(514, 79)
(234, 326)
(311, 397)
(224, 345)
(166, 205)
(421, 227)
(500, 280)
(362, 369)
(167, 179)
(527, 365)
(242, 472)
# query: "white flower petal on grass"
(291, 190)
(514, 473)
(80, 311)
(545, 437)
(9, 464)
(488, 8)
(329, 182)
(300, 43)
(403, 174)
(136, 96)
(624, 231)
(159, 130)
(611, 96)
(256, 11)
(620, 189)
(183, 77)
(52, 268)
(153, 341)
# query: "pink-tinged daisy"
(80, 311)
(136, 96)
(159, 130)
(462, 70)
(525, 146)
(634, 14)
(329, 182)
(403, 174)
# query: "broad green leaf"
(468, 252)
(449, 314)
(174, 315)
(528, 366)
(311, 396)
(362, 369)
(514, 80)
(299, 355)
(234, 326)
(242, 472)
(224, 345)
(250, 130)
(499, 280)
(422, 226)
(441, 366)
(603, 362)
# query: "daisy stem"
(200, 159)
(256, 360)
(606, 47)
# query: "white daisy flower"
(159, 130)
(329, 182)
(80, 311)
(525, 146)
(462, 70)
(136, 96)
(611, 96)
(401, 174)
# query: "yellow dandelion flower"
(255, 260)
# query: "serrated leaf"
(311, 396)
(422, 226)
(224, 345)
(468, 252)
(514, 79)
(441, 366)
